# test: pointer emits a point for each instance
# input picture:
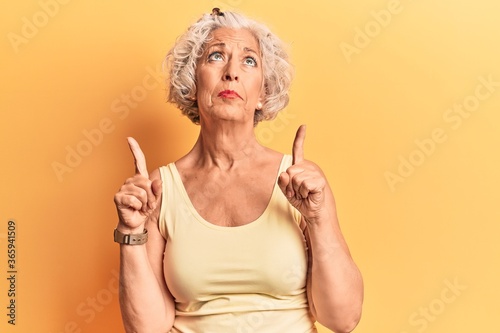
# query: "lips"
(229, 94)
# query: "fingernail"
(289, 194)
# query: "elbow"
(142, 325)
(347, 327)
(344, 327)
(149, 329)
(344, 324)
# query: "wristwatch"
(131, 239)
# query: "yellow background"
(435, 226)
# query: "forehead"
(240, 38)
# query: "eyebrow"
(247, 49)
(223, 45)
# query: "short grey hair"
(181, 63)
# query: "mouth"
(230, 94)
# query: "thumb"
(157, 188)
(283, 181)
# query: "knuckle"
(129, 180)
(118, 198)
(142, 195)
(143, 180)
(133, 202)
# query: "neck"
(225, 144)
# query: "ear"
(192, 96)
(261, 100)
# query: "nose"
(231, 71)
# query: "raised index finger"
(298, 145)
(139, 159)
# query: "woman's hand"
(138, 197)
(303, 183)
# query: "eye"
(250, 61)
(215, 56)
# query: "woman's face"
(229, 76)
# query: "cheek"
(205, 83)
(257, 88)
(202, 89)
(259, 82)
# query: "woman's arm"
(145, 302)
(334, 286)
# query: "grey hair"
(181, 63)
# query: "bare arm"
(335, 286)
(145, 302)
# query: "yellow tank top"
(244, 279)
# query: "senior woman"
(232, 237)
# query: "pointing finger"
(139, 159)
(298, 145)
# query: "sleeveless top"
(243, 279)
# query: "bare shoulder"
(155, 174)
(262, 170)
(271, 158)
(272, 154)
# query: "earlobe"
(192, 95)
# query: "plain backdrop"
(401, 100)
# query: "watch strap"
(130, 239)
